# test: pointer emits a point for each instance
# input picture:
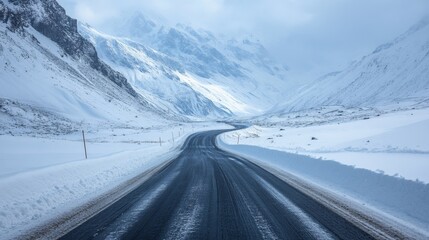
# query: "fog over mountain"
(312, 37)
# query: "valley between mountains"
(168, 131)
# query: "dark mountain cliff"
(50, 19)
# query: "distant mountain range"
(52, 64)
(195, 72)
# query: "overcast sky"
(312, 37)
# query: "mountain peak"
(141, 20)
(421, 25)
(137, 26)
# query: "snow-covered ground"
(45, 176)
(395, 143)
(376, 157)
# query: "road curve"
(206, 193)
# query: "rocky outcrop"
(51, 20)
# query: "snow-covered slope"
(51, 77)
(187, 67)
(145, 68)
(397, 71)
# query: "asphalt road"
(206, 193)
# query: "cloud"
(310, 36)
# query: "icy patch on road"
(262, 224)
(186, 219)
(129, 218)
(315, 229)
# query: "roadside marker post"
(84, 144)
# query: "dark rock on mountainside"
(50, 19)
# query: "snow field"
(395, 143)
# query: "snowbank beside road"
(33, 197)
(396, 143)
(403, 199)
(38, 194)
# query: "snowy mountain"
(397, 71)
(190, 69)
(145, 68)
(51, 77)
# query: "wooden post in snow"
(160, 143)
(84, 144)
(238, 138)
